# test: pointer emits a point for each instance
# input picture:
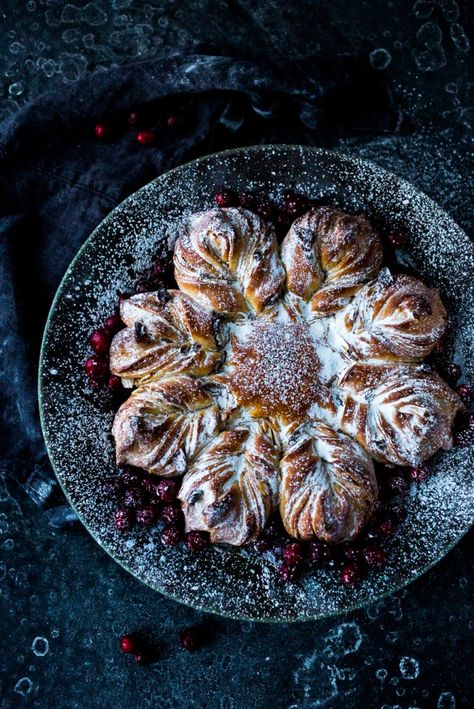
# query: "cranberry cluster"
(146, 500)
(145, 651)
(97, 366)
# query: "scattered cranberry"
(453, 372)
(351, 574)
(100, 341)
(418, 474)
(398, 511)
(167, 490)
(175, 120)
(465, 393)
(225, 198)
(171, 514)
(131, 476)
(397, 239)
(96, 369)
(248, 200)
(149, 485)
(197, 541)
(292, 554)
(387, 524)
(396, 484)
(146, 515)
(266, 210)
(289, 574)
(133, 118)
(319, 553)
(374, 557)
(124, 519)
(171, 535)
(133, 497)
(350, 553)
(114, 383)
(190, 639)
(113, 324)
(145, 137)
(102, 131)
(128, 643)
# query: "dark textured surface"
(59, 584)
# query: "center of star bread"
(275, 371)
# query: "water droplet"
(452, 88)
(449, 9)
(71, 13)
(459, 37)
(17, 48)
(347, 638)
(446, 700)
(381, 674)
(430, 34)
(392, 637)
(430, 59)
(71, 35)
(409, 668)
(23, 686)
(380, 59)
(31, 5)
(55, 633)
(93, 14)
(423, 9)
(397, 44)
(16, 89)
(8, 544)
(40, 646)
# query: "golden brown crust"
(394, 317)
(232, 487)
(328, 488)
(327, 255)
(228, 261)
(166, 332)
(164, 424)
(402, 414)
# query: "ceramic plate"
(77, 420)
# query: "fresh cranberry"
(145, 137)
(397, 239)
(319, 553)
(149, 485)
(266, 210)
(397, 510)
(374, 557)
(133, 497)
(453, 372)
(196, 540)
(124, 519)
(100, 341)
(171, 535)
(171, 514)
(167, 490)
(128, 643)
(175, 120)
(190, 639)
(418, 474)
(131, 476)
(96, 369)
(133, 118)
(387, 524)
(225, 198)
(113, 324)
(292, 554)
(114, 383)
(102, 131)
(396, 484)
(289, 574)
(146, 515)
(349, 553)
(465, 393)
(143, 657)
(111, 486)
(351, 574)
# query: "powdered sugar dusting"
(77, 420)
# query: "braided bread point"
(164, 424)
(394, 317)
(228, 261)
(328, 488)
(231, 488)
(328, 255)
(402, 414)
